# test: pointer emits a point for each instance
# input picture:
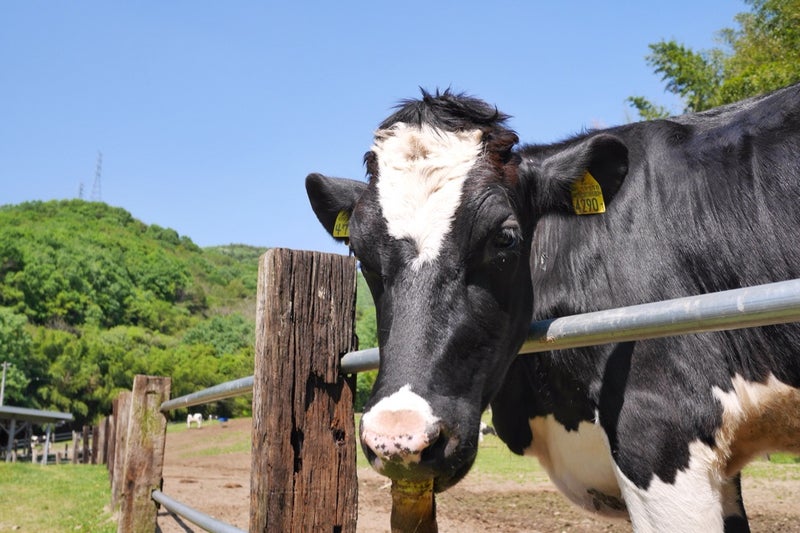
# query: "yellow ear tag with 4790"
(341, 228)
(587, 196)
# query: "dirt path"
(196, 473)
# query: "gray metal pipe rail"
(229, 389)
(760, 305)
(196, 517)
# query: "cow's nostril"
(437, 450)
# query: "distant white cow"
(195, 417)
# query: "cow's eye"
(506, 239)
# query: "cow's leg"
(733, 507)
(698, 499)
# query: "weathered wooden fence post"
(85, 459)
(111, 440)
(95, 443)
(102, 441)
(75, 441)
(122, 415)
(144, 460)
(303, 474)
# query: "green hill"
(90, 296)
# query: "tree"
(762, 55)
(15, 348)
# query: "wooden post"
(85, 445)
(75, 441)
(111, 440)
(95, 438)
(122, 415)
(102, 441)
(303, 471)
(12, 432)
(144, 460)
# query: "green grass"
(781, 466)
(784, 459)
(55, 498)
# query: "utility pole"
(6, 364)
(97, 192)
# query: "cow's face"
(442, 234)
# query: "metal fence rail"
(229, 389)
(196, 517)
(760, 305)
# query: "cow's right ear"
(333, 200)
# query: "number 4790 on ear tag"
(587, 196)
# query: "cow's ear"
(332, 200)
(579, 177)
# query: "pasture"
(209, 468)
(54, 498)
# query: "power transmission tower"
(97, 193)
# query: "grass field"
(54, 498)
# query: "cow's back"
(710, 202)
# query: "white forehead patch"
(421, 175)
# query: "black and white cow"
(464, 238)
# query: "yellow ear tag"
(341, 228)
(587, 196)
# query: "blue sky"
(209, 115)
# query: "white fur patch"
(694, 502)
(579, 464)
(421, 175)
(402, 400)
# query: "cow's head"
(443, 233)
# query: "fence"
(303, 474)
(88, 446)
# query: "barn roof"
(35, 416)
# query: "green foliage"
(78, 262)
(15, 349)
(647, 110)
(90, 297)
(761, 55)
(225, 333)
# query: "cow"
(465, 236)
(196, 418)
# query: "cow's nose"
(400, 427)
(399, 435)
